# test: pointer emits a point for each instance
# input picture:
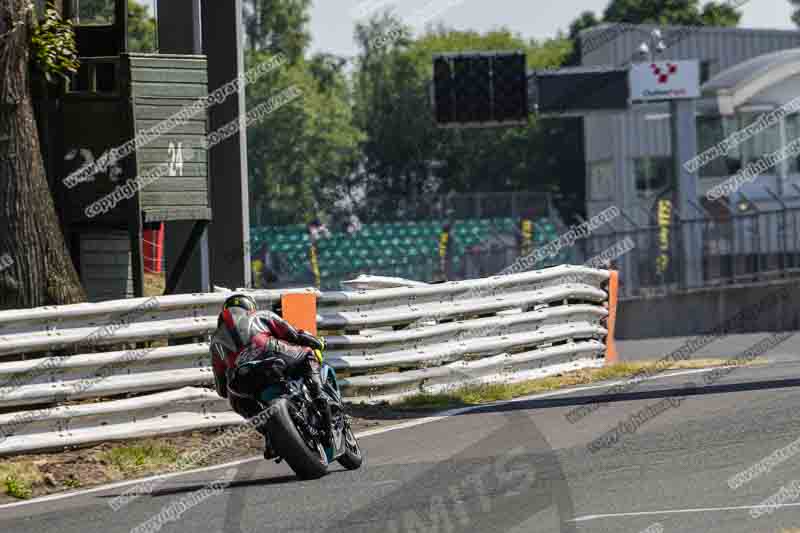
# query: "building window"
(142, 26)
(711, 130)
(761, 144)
(792, 134)
(142, 23)
(94, 12)
(652, 173)
(705, 71)
(601, 183)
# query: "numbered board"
(165, 177)
(161, 86)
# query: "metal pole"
(179, 32)
(222, 29)
(684, 147)
(782, 230)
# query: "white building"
(744, 73)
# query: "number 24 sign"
(175, 158)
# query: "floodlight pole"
(684, 147)
(683, 130)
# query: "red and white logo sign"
(662, 75)
(664, 80)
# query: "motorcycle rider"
(246, 334)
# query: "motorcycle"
(294, 425)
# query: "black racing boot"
(320, 402)
(269, 452)
(324, 408)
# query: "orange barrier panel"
(611, 322)
(300, 310)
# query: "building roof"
(622, 27)
(736, 85)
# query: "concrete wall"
(701, 311)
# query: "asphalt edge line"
(368, 433)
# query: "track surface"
(723, 346)
(514, 467)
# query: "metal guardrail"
(385, 343)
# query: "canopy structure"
(765, 80)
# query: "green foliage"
(796, 12)
(141, 28)
(720, 14)
(301, 155)
(663, 12)
(133, 457)
(52, 45)
(96, 12)
(365, 139)
(586, 20)
(72, 483)
(17, 487)
(677, 12)
(278, 26)
(407, 158)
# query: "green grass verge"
(18, 479)
(479, 394)
(131, 458)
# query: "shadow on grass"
(414, 407)
(480, 395)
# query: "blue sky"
(332, 21)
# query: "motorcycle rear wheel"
(307, 462)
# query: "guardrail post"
(613, 290)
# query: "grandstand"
(408, 249)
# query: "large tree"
(796, 12)
(301, 155)
(677, 12)
(301, 158)
(278, 26)
(42, 272)
(664, 12)
(407, 158)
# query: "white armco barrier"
(385, 344)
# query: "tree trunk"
(35, 266)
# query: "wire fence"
(730, 249)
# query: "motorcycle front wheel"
(351, 458)
(306, 457)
